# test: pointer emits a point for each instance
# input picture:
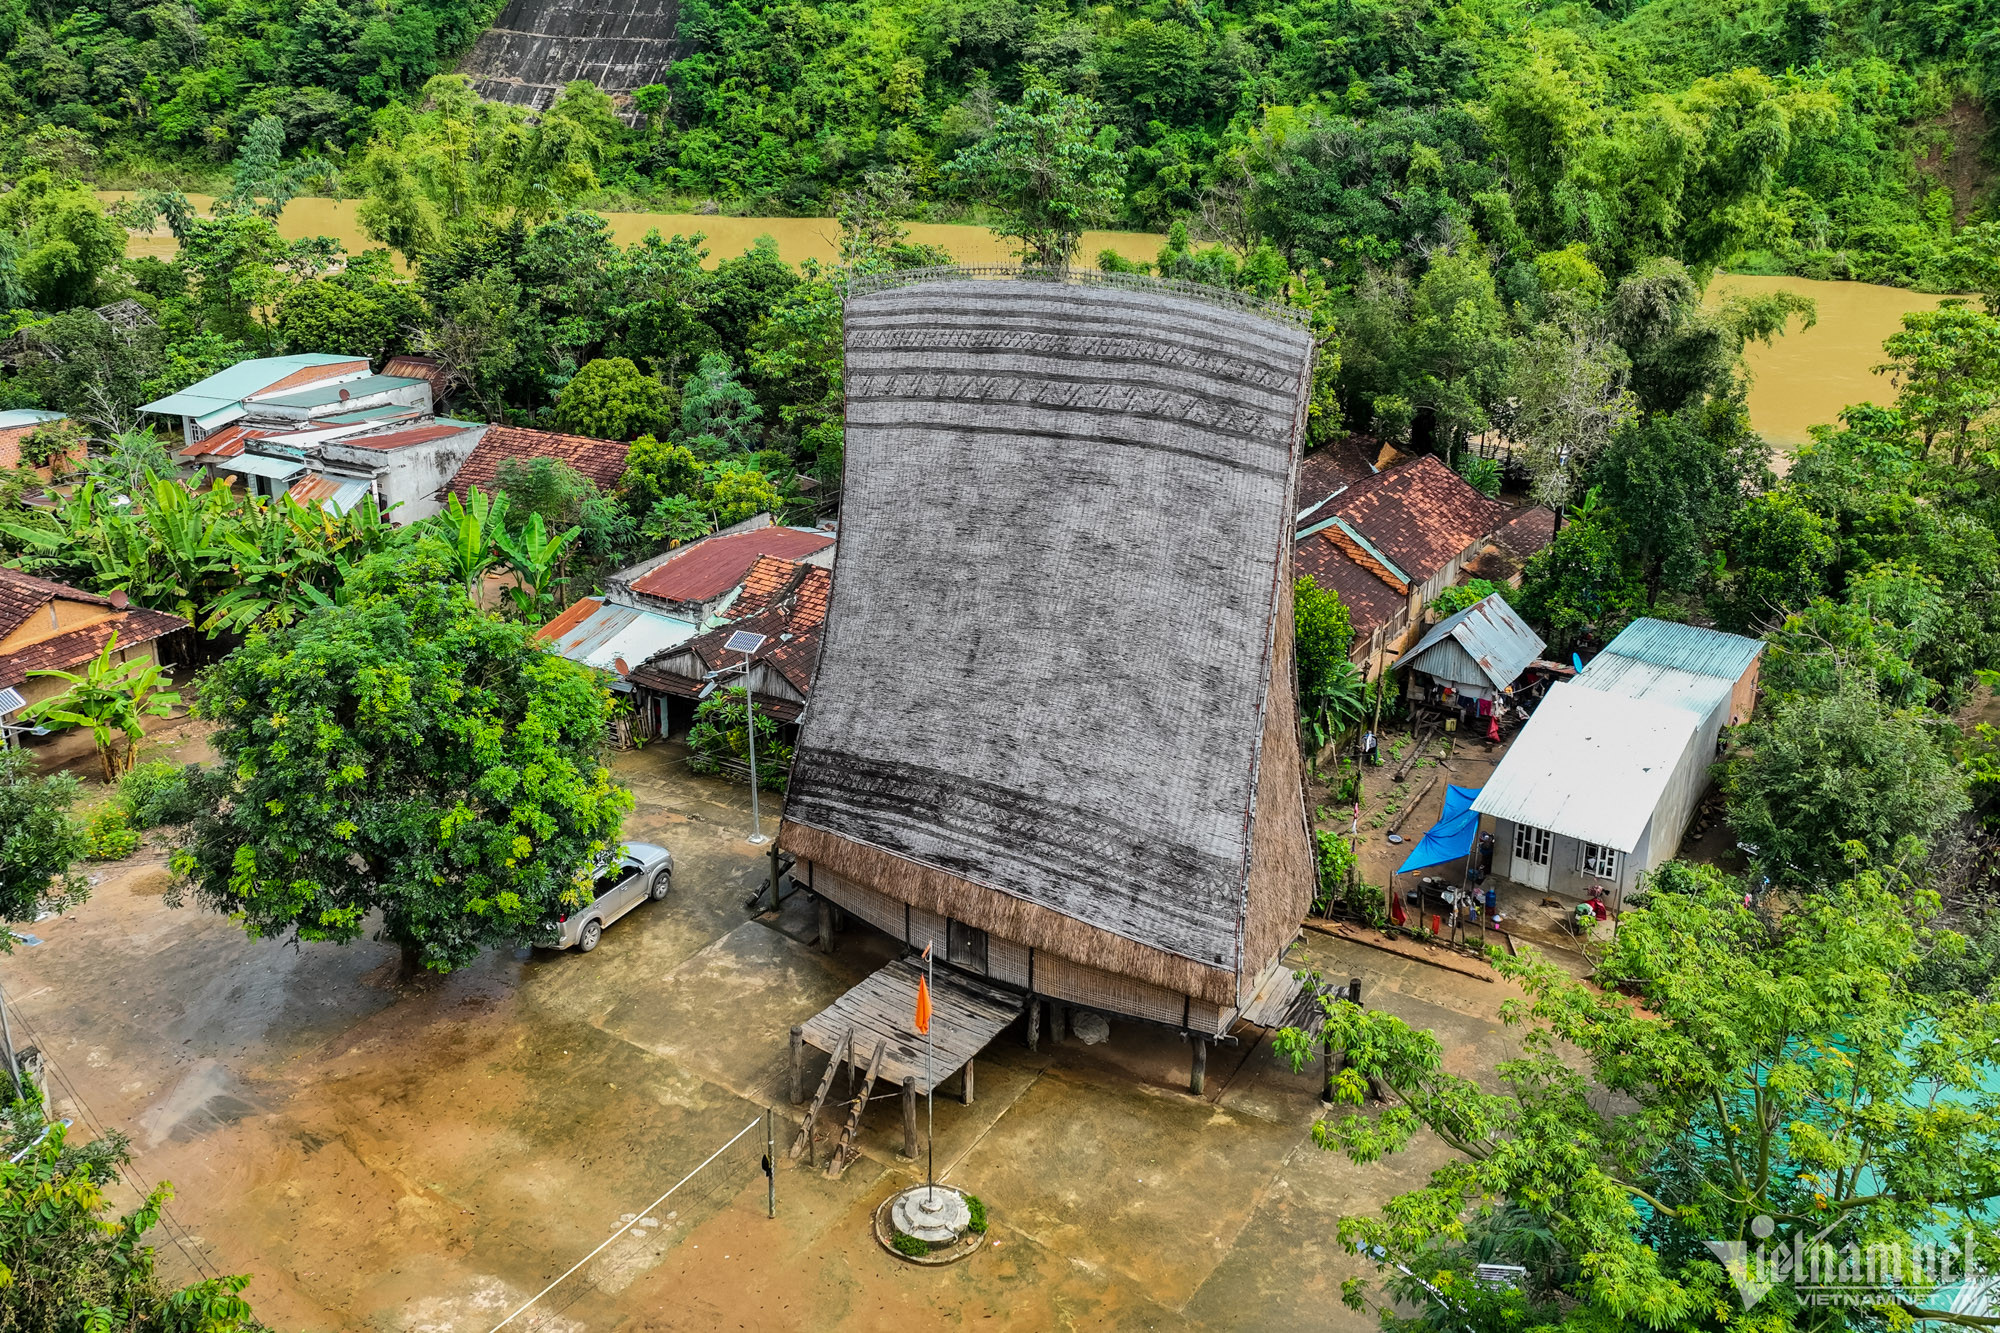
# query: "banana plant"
(470, 529)
(533, 556)
(109, 698)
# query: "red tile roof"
(1370, 600)
(1327, 470)
(66, 652)
(603, 461)
(1418, 513)
(399, 439)
(714, 565)
(22, 594)
(787, 606)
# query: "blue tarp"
(1451, 837)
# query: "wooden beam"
(846, 1150)
(1198, 1075)
(798, 1065)
(965, 1090)
(910, 1119)
(805, 1138)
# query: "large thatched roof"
(1053, 632)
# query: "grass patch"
(977, 1226)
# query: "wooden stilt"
(1034, 1024)
(1198, 1075)
(910, 1118)
(798, 1065)
(965, 1092)
(1056, 1015)
(825, 926)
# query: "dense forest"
(1823, 138)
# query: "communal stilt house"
(1052, 733)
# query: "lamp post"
(743, 641)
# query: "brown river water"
(1800, 381)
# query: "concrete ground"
(425, 1158)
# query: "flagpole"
(930, 1081)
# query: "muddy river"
(1806, 377)
(1800, 381)
(798, 238)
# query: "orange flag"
(923, 1017)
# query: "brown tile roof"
(714, 565)
(22, 594)
(66, 652)
(1508, 550)
(1328, 470)
(787, 605)
(1370, 601)
(603, 461)
(1419, 513)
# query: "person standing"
(1368, 755)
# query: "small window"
(1600, 862)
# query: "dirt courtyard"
(423, 1159)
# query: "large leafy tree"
(1780, 1077)
(403, 754)
(613, 399)
(1049, 166)
(1946, 364)
(1824, 771)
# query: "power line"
(176, 1230)
(644, 1212)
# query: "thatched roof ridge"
(1049, 652)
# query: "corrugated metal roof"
(1630, 678)
(1492, 633)
(1590, 765)
(241, 380)
(257, 465)
(609, 632)
(1706, 652)
(27, 416)
(335, 493)
(319, 395)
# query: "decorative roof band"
(859, 284)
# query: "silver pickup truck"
(642, 871)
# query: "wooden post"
(910, 1118)
(1034, 1023)
(1198, 1076)
(1057, 1013)
(798, 1065)
(1354, 991)
(825, 926)
(965, 1092)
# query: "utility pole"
(7, 1040)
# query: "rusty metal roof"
(1492, 635)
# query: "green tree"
(1578, 585)
(740, 493)
(1049, 165)
(111, 698)
(1779, 1055)
(68, 1262)
(718, 414)
(476, 335)
(1946, 365)
(1779, 553)
(612, 399)
(40, 842)
(656, 469)
(721, 732)
(326, 316)
(453, 783)
(65, 250)
(1822, 771)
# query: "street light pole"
(750, 731)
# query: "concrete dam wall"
(537, 46)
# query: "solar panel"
(10, 701)
(743, 641)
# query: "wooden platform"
(966, 1014)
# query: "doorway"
(1532, 847)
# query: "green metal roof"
(376, 413)
(239, 382)
(322, 394)
(27, 416)
(1706, 652)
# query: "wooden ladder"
(845, 1150)
(805, 1138)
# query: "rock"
(1090, 1028)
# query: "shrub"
(106, 837)
(157, 793)
(977, 1226)
(1482, 474)
(1461, 595)
(913, 1246)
